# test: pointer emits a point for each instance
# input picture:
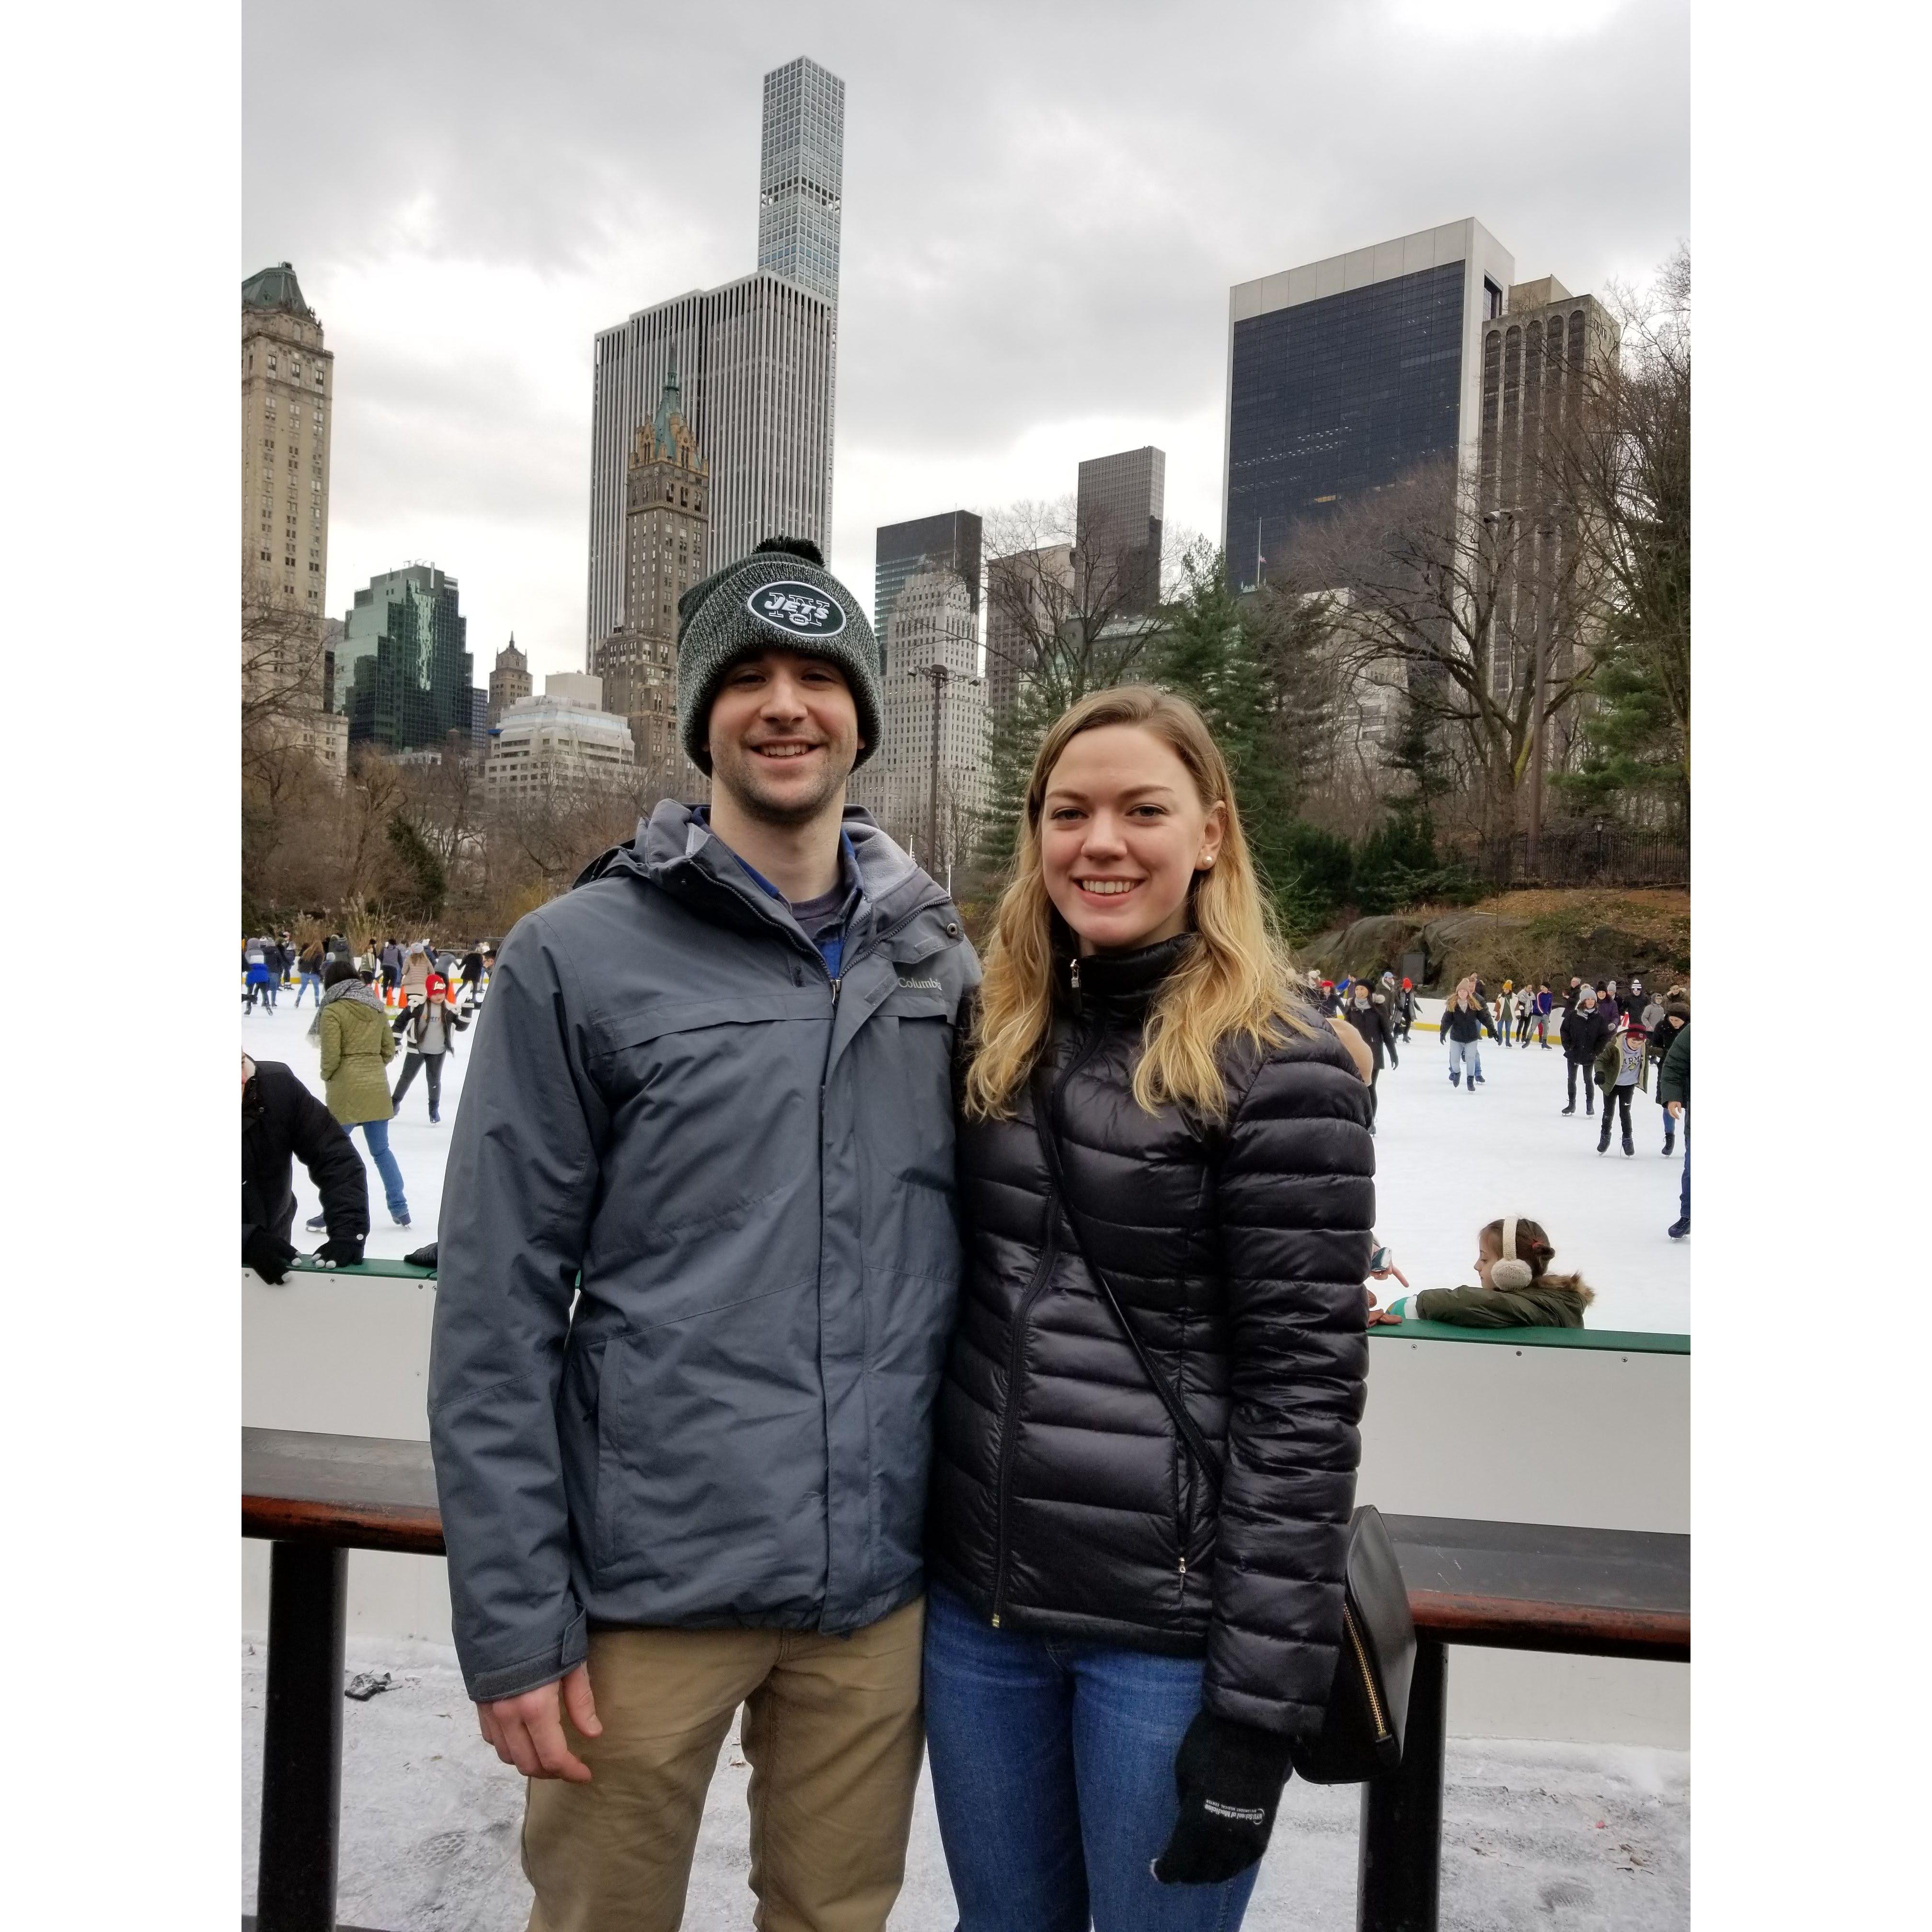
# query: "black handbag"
(1362, 1730)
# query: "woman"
(1111, 1618)
(1465, 1020)
(432, 1026)
(353, 1029)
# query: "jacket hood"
(677, 852)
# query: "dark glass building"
(1344, 374)
(1116, 520)
(402, 672)
(951, 541)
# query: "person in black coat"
(1149, 1201)
(282, 1120)
(1584, 1030)
(1371, 1021)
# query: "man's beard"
(737, 772)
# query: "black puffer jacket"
(1062, 1501)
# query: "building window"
(1492, 300)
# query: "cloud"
(1043, 210)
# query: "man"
(1369, 1019)
(282, 1119)
(715, 1085)
(472, 972)
(1673, 1087)
(1584, 1032)
(1540, 1008)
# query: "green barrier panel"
(1625, 1341)
(389, 1270)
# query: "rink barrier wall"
(1585, 1428)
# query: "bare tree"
(1626, 458)
(1422, 592)
(282, 653)
(1063, 618)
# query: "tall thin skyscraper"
(757, 360)
(1116, 524)
(801, 167)
(1343, 374)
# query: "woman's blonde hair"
(1234, 982)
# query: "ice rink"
(1447, 1162)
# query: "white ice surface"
(1584, 1838)
(1447, 1162)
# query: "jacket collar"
(678, 852)
(1123, 983)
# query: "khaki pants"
(833, 1735)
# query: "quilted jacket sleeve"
(1296, 1207)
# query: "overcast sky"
(1045, 204)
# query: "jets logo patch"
(797, 610)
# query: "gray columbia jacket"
(751, 1166)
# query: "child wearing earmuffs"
(1518, 1291)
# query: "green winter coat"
(356, 1045)
(1545, 1304)
(1610, 1062)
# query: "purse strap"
(1191, 1437)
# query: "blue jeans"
(1464, 1058)
(376, 1133)
(310, 979)
(1684, 1199)
(1053, 1777)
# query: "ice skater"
(1584, 1032)
(258, 982)
(1540, 1006)
(1465, 1020)
(1516, 1289)
(1371, 1022)
(430, 1027)
(1674, 1015)
(1622, 1069)
(352, 1030)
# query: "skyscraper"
(667, 493)
(402, 671)
(926, 783)
(801, 168)
(1117, 526)
(756, 360)
(287, 399)
(949, 541)
(508, 681)
(1343, 374)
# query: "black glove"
(344, 1250)
(1230, 1777)
(267, 1254)
(422, 1257)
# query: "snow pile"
(1582, 1836)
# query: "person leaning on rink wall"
(714, 1081)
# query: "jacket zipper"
(1354, 1636)
(1050, 1248)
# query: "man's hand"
(1675, 1109)
(267, 1254)
(528, 1731)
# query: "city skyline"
(1043, 286)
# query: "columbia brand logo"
(919, 985)
(798, 610)
(1218, 1809)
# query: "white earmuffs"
(1510, 1274)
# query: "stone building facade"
(667, 521)
(287, 403)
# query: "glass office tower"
(1117, 523)
(1344, 374)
